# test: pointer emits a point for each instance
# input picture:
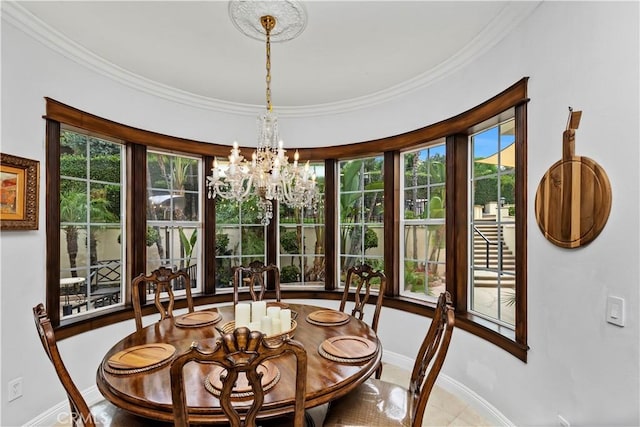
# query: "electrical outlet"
(563, 421)
(14, 390)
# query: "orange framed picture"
(18, 193)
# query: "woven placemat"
(113, 371)
(343, 360)
(241, 395)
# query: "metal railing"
(487, 244)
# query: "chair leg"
(379, 371)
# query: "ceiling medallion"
(290, 15)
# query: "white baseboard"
(59, 412)
(464, 393)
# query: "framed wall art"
(19, 179)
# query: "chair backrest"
(162, 280)
(240, 352)
(362, 278)
(431, 356)
(79, 408)
(255, 276)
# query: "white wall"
(579, 54)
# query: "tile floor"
(443, 408)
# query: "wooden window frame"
(454, 130)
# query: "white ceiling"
(349, 50)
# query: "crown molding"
(506, 21)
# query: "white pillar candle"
(265, 325)
(243, 314)
(285, 319)
(255, 326)
(273, 312)
(275, 326)
(258, 310)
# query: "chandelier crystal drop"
(268, 174)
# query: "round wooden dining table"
(148, 392)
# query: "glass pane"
(350, 176)
(351, 238)
(414, 277)
(415, 238)
(186, 174)
(73, 201)
(373, 206)
(105, 203)
(437, 162)
(373, 176)
(104, 164)
(158, 171)
(292, 271)
(224, 273)
(350, 208)
(288, 215)
(290, 240)
(74, 253)
(253, 241)
(73, 154)
(314, 240)
(374, 240)
(191, 206)
(159, 207)
(227, 211)
(412, 171)
(250, 211)
(314, 270)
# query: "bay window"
(438, 208)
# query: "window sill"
(498, 335)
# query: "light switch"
(615, 310)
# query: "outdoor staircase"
(483, 278)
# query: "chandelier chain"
(268, 175)
(268, 22)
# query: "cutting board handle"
(569, 135)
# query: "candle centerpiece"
(273, 321)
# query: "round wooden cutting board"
(573, 200)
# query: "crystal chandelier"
(268, 175)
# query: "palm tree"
(73, 209)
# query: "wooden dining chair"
(161, 280)
(102, 413)
(255, 274)
(379, 403)
(242, 352)
(360, 279)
